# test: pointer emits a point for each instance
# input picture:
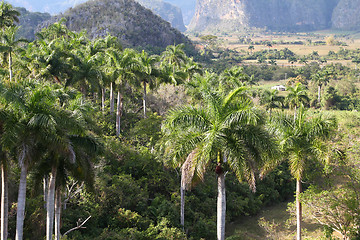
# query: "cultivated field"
(350, 39)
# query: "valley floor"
(248, 228)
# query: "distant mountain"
(133, 24)
(187, 8)
(346, 15)
(28, 22)
(166, 11)
(283, 15)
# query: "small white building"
(279, 87)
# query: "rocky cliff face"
(166, 11)
(221, 14)
(291, 15)
(288, 15)
(346, 15)
(187, 8)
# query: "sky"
(60, 6)
(50, 6)
(57, 6)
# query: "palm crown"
(226, 129)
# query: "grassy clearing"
(247, 228)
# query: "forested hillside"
(126, 19)
(29, 22)
(104, 141)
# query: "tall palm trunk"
(45, 188)
(10, 67)
(295, 113)
(103, 99)
(319, 94)
(182, 204)
(118, 112)
(57, 213)
(50, 204)
(20, 215)
(221, 207)
(298, 209)
(144, 99)
(4, 201)
(112, 100)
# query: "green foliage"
(146, 132)
(335, 209)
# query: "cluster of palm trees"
(44, 121)
(45, 131)
(225, 132)
(101, 66)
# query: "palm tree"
(225, 129)
(174, 55)
(53, 55)
(190, 67)
(85, 149)
(100, 47)
(173, 76)
(8, 15)
(52, 134)
(44, 133)
(303, 139)
(50, 60)
(297, 97)
(13, 100)
(200, 83)
(68, 148)
(147, 73)
(292, 60)
(251, 49)
(321, 78)
(9, 127)
(272, 62)
(303, 60)
(314, 55)
(122, 68)
(54, 31)
(269, 45)
(4, 196)
(87, 75)
(36, 118)
(233, 78)
(10, 44)
(270, 99)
